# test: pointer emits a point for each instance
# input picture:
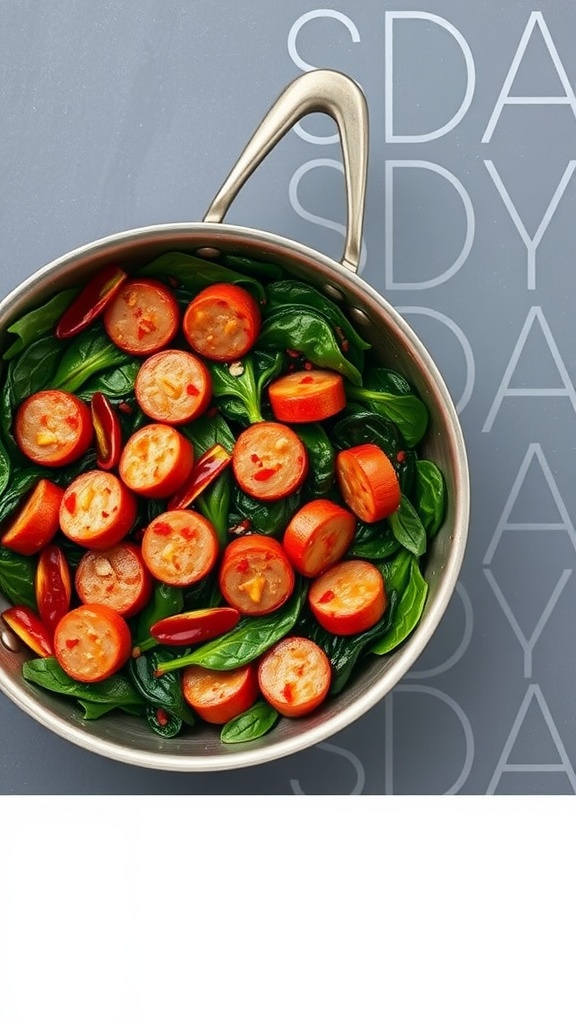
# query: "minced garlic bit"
(236, 369)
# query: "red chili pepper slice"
(193, 627)
(52, 586)
(26, 624)
(107, 432)
(90, 302)
(212, 463)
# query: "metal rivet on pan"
(9, 640)
(360, 316)
(333, 293)
(208, 253)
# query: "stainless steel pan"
(130, 740)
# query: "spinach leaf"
(374, 541)
(38, 322)
(268, 517)
(17, 577)
(321, 459)
(389, 394)
(163, 691)
(396, 571)
(254, 268)
(117, 690)
(344, 652)
(247, 641)
(407, 527)
(306, 332)
(33, 369)
(430, 495)
(22, 481)
(195, 273)
(250, 725)
(88, 353)
(5, 469)
(239, 396)
(167, 729)
(207, 431)
(297, 293)
(94, 711)
(116, 384)
(408, 612)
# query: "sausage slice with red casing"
(116, 577)
(92, 642)
(97, 510)
(156, 461)
(173, 387)
(294, 676)
(255, 575)
(269, 461)
(180, 547)
(53, 428)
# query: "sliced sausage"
(92, 642)
(97, 510)
(180, 547)
(173, 387)
(53, 428)
(269, 461)
(156, 461)
(116, 577)
(255, 575)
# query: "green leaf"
(408, 412)
(321, 458)
(250, 725)
(254, 268)
(169, 729)
(374, 541)
(308, 333)
(196, 274)
(266, 517)
(116, 690)
(246, 642)
(239, 396)
(396, 571)
(407, 528)
(93, 711)
(17, 577)
(165, 601)
(159, 691)
(430, 496)
(298, 293)
(5, 468)
(116, 384)
(207, 431)
(38, 322)
(88, 353)
(33, 369)
(408, 612)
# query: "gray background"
(115, 115)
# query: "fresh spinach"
(196, 274)
(254, 268)
(408, 611)
(304, 331)
(321, 458)
(38, 322)
(268, 517)
(17, 577)
(396, 571)
(94, 711)
(430, 496)
(33, 369)
(381, 392)
(250, 725)
(117, 384)
(168, 729)
(407, 527)
(88, 353)
(117, 691)
(374, 541)
(165, 601)
(5, 469)
(22, 481)
(163, 691)
(238, 395)
(302, 295)
(246, 642)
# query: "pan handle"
(326, 92)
